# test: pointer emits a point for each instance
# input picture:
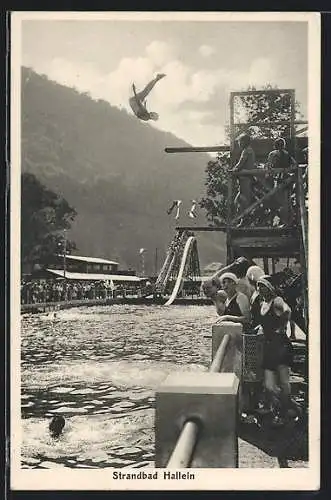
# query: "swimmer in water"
(56, 426)
(138, 100)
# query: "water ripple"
(99, 368)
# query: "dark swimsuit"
(232, 308)
(256, 311)
(278, 349)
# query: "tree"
(251, 109)
(44, 216)
(215, 201)
(264, 108)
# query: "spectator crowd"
(41, 291)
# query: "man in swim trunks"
(280, 158)
(246, 162)
(138, 100)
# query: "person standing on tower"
(279, 157)
(246, 162)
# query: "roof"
(92, 276)
(93, 260)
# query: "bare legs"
(144, 93)
(287, 402)
(271, 387)
(284, 207)
(278, 390)
(244, 198)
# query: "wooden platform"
(257, 241)
(265, 242)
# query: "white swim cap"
(229, 276)
(265, 280)
(254, 273)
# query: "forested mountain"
(113, 170)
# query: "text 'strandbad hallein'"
(154, 475)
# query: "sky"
(203, 62)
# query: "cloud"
(192, 103)
(262, 71)
(182, 84)
(129, 70)
(159, 52)
(206, 50)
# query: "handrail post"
(196, 416)
(187, 403)
(182, 455)
(233, 360)
(183, 452)
(220, 354)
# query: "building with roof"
(77, 267)
(80, 264)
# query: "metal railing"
(182, 454)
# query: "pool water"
(99, 368)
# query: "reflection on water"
(99, 368)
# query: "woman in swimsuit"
(253, 274)
(239, 268)
(237, 311)
(278, 351)
(237, 303)
(212, 290)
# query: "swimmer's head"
(56, 426)
(154, 116)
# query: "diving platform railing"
(196, 414)
(182, 454)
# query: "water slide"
(184, 261)
(162, 277)
(169, 262)
(170, 267)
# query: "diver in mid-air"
(138, 100)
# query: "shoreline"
(43, 307)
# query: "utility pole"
(155, 262)
(65, 262)
(143, 264)
(142, 261)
